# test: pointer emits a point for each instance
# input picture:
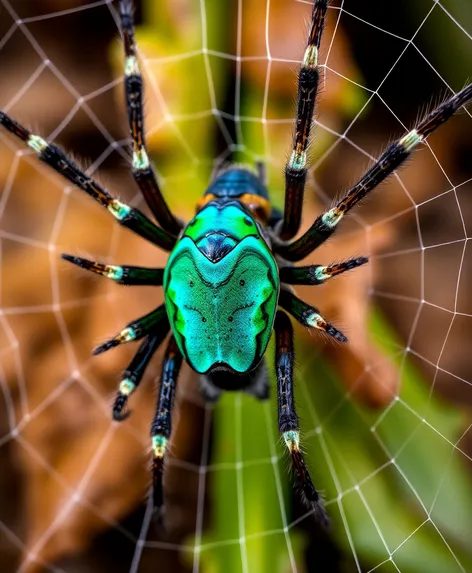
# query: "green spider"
(227, 280)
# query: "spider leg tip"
(335, 333)
(120, 416)
(320, 515)
(73, 259)
(159, 516)
(105, 346)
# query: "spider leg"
(391, 158)
(287, 416)
(154, 321)
(162, 424)
(124, 275)
(133, 374)
(308, 315)
(127, 216)
(295, 170)
(143, 171)
(318, 274)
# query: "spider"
(228, 280)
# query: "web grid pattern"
(419, 420)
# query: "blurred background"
(385, 419)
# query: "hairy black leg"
(123, 275)
(155, 321)
(391, 158)
(295, 170)
(161, 426)
(132, 376)
(143, 172)
(127, 216)
(318, 274)
(308, 315)
(287, 415)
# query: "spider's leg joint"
(297, 160)
(292, 440)
(411, 140)
(131, 66)
(159, 445)
(321, 273)
(317, 321)
(127, 387)
(118, 209)
(126, 335)
(114, 273)
(332, 217)
(37, 143)
(140, 159)
(310, 59)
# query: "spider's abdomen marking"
(221, 289)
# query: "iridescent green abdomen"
(221, 289)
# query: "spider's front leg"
(295, 170)
(127, 216)
(394, 156)
(143, 171)
(162, 423)
(287, 416)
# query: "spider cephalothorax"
(231, 266)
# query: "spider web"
(395, 479)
